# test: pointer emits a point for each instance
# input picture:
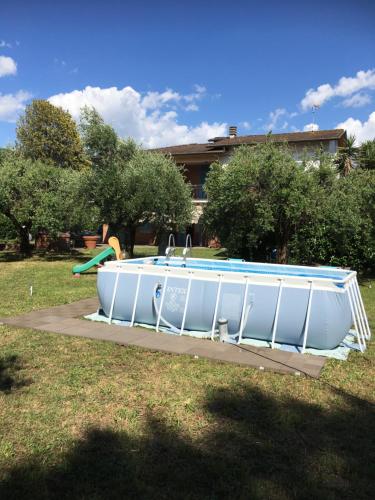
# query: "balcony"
(199, 193)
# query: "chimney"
(232, 131)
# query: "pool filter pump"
(223, 329)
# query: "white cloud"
(311, 127)
(346, 86)
(200, 89)
(4, 44)
(245, 125)
(148, 118)
(363, 131)
(12, 104)
(172, 99)
(8, 66)
(192, 107)
(156, 100)
(356, 101)
(274, 117)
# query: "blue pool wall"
(330, 318)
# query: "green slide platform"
(81, 268)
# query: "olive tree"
(48, 133)
(148, 188)
(131, 187)
(258, 201)
(101, 142)
(36, 196)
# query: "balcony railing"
(198, 192)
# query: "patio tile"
(67, 319)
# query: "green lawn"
(81, 419)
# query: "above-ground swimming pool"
(303, 306)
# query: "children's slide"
(113, 249)
(81, 268)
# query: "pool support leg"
(362, 308)
(307, 321)
(276, 319)
(136, 298)
(360, 320)
(162, 302)
(113, 297)
(186, 305)
(216, 307)
(354, 319)
(243, 310)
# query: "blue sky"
(169, 72)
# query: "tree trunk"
(282, 253)
(23, 234)
(25, 246)
(162, 241)
(130, 241)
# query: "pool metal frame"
(146, 267)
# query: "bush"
(343, 232)
(263, 199)
(258, 201)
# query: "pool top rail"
(232, 268)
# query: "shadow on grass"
(258, 447)
(9, 374)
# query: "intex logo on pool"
(176, 297)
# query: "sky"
(170, 72)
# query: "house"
(197, 158)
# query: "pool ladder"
(171, 248)
(186, 252)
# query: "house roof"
(219, 144)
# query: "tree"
(309, 243)
(366, 155)
(101, 143)
(258, 201)
(49, 134)
(35, 196)
(347, 156)
(131, 187)
(351, 221)
(148, 188)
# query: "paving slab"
(67, 319)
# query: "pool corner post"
(354, 312)
(362, 310)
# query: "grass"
(81, 419)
